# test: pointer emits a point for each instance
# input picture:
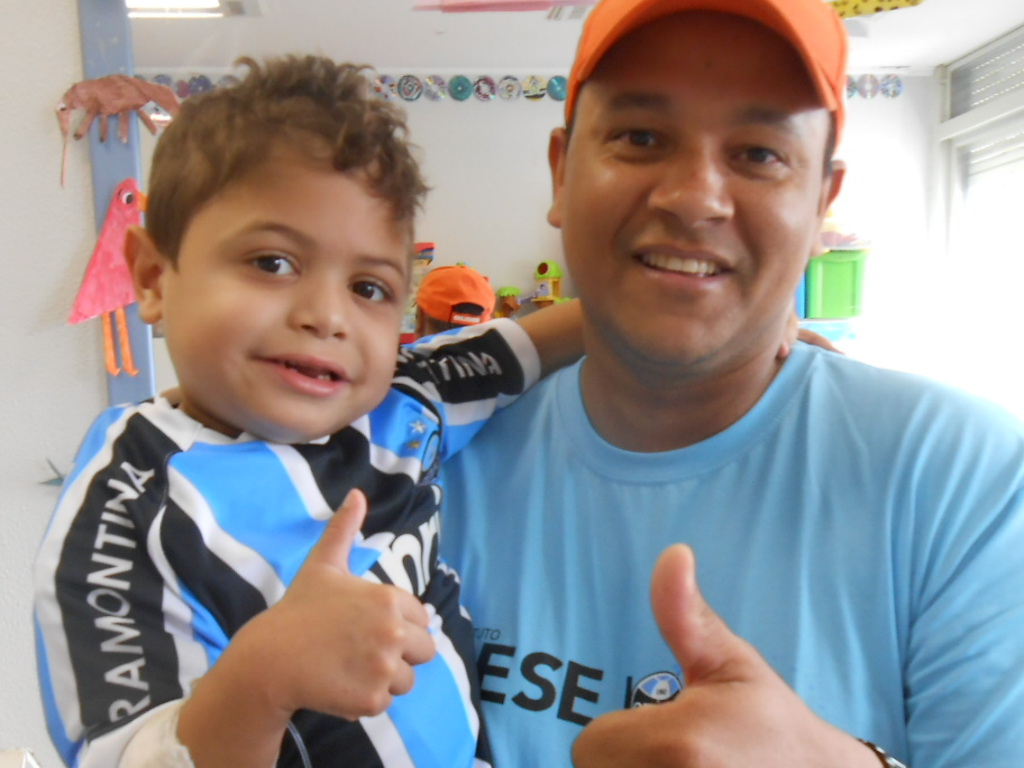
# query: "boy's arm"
(557, 333)
(466, 376)
(108, 654)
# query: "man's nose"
(694, 187)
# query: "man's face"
(691, 193)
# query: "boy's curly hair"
(310, 103)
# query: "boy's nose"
(322, 310)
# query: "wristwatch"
(887, 760)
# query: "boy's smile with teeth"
(314, 372)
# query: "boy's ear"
(147, 266)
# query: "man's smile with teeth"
(684, 264)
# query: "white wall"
(886, 198)
(487, 163)
(52, 380)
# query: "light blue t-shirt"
(864, 529)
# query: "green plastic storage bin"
(834, 284)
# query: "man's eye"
(639, 138)
(371, 291)
(274, 264)
(760, 155)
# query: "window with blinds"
(996, 72)
(998, 144)
(986, 106)
(984, 135)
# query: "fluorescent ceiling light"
(191, 9)
(171, 13)
(168, 5)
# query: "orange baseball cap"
(812, 27)
(445, 288)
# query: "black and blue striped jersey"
(168, 537)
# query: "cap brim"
(813, 29)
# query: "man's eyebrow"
(767, 116)
(639, 100)
(652, 100)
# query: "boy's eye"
(274, 264)
(371, 290)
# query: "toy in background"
(422, 260)
(547, 291)
(105, 97)
(549, 284)
(107, 288)
(508, 301)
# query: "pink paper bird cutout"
(107, 286)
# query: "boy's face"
(282, 314)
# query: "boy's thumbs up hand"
(337, 643)
(337, 538)
(734, 709)
(334, 643)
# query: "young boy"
(452, 297)
(198, 602)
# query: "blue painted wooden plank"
(107, 50)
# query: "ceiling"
(391, 36)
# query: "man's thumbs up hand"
(706, 650)
(734, 710)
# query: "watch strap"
(886, 759)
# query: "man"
(452, 297)
(858, 531)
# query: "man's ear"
(147, 266)
(832, 185)
(558, 146)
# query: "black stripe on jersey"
(109, 592)
(343, 463)
(329, 741)
(230, 599)
(479, 367)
